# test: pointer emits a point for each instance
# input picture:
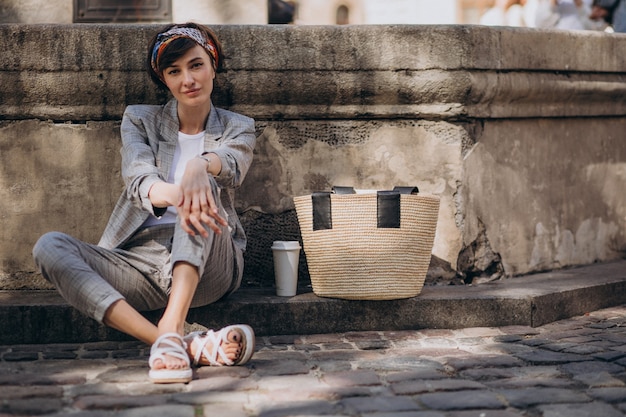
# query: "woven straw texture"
(355, 260)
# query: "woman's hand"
(197, 206)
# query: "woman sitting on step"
(174, 240)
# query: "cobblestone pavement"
(571, 368)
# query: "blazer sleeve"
(235, 149)
(139, 168)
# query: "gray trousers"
(92, 278)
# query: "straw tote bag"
(367, 246)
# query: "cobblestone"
(571, 368)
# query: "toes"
(234, 346)
(171, 363)
(232, 351)
(235, 336)
(177, 364)
(158, 364)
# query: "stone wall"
(518, 131)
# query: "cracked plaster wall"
(552, 193)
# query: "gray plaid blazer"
(149, 136)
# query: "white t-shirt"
(187, 148)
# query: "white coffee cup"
(286, 257)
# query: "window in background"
(124, 11)
(343, 15)
(281, 12)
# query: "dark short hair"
(178, 48)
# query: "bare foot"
(168, 361)
(232, 348)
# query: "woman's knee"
(48, 244)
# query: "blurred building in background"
(300, 12)
(390, 11)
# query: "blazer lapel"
(213, 130)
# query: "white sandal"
(165, 346)
(202, 338)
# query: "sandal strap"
(216, 339)
(165, 346)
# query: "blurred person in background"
(612, 12)
(505, 13)
(567, 14)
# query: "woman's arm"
(227, 161)
(139, 170)
(163, 194)
(235, 149)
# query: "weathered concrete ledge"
(92, 72)
(43, 317)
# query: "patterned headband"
(164, 39)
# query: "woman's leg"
(123, 317)
(98, 282)
(184, 283)
(164, 246)
(111, 286)
(185, 288)
(204, 270)
(92, 278)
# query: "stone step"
(31, 317)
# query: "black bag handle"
(406, 190)
(387, 206)
(339, 189)
(322, 211)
